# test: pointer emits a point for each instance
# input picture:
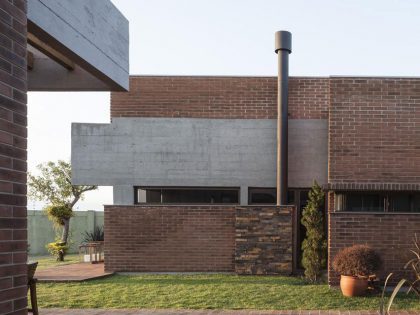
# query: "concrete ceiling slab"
(93, 34)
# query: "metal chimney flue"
(283, 47)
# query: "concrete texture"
(94, 34)
(123, 194)
(41, 231)
(194, 152)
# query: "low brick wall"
(264, 240)
(169, 238)
(391, 234)
(248, 240)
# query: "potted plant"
(92, 246)
(356, 264)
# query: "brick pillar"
(13, 121)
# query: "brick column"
(13, 121)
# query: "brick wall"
(219, 97)
(374, 133)
(13, 87)
(264, 240)
(390, 234)
(169, 238)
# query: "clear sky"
(236, 37)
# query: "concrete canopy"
(78, 45)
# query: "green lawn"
(206, 292)
(50, 261)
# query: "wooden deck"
(72, 273)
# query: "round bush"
(357, 260)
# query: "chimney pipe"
(283, 47)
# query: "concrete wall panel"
(196, 152)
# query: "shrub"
(97, 235)
(58, 249)
(357, 260)
(314, 246)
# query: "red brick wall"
(390, 234)
(169, 238)
(374, 133)
(13, 123)
(219, 97)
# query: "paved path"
(211, 312)
(71, 272)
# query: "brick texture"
(264, 243)
(219, 97)
(169, 238)
(374, 133)
(13, 122)
(391, 235)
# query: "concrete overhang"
(77, 45)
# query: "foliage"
(54, 186)
(97, 235)
(314, 246)
(413, 286)
(58, 214)
(357, 261)
(414, 263)
(58, 249)
(384, 307)
(207, 291)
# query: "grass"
(50, 261)
(206, 292)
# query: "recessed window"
(187, 195)
(267, 196)
(378, 201)
(262, 196)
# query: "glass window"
(268, 196)
(400, 202)
(378, 201)
(262, 196)
(191, 195)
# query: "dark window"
(378, 201)
(268, 196)
(191, 195)
(262, 196)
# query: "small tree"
(314, 246)
(54, 186)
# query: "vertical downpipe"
(283, 47)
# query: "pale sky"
(235, 37)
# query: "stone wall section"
(264, 240)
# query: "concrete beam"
(196, 152)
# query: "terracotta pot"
(353, 286)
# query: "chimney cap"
(283, 41)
